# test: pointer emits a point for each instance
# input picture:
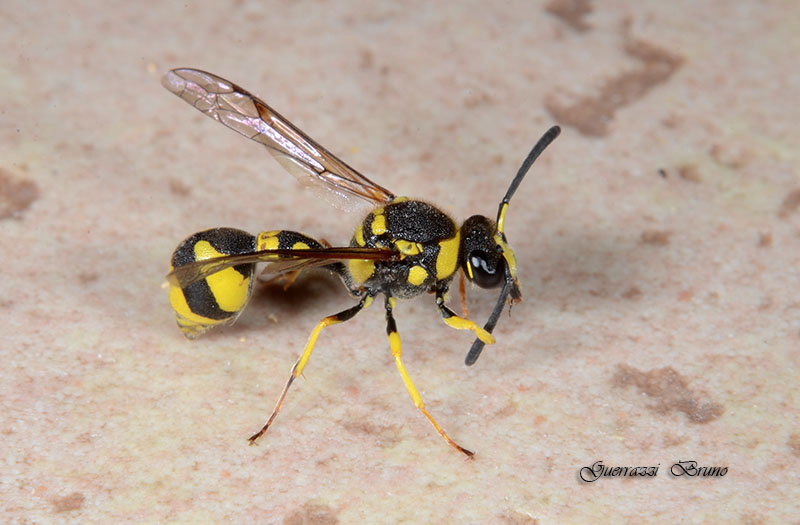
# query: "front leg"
(459, 323)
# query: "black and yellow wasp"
(404, 247)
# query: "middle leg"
(394, 343)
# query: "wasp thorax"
(481, 257)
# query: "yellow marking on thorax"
(361, 270)
(417, 275)
(359, 236)
(447, 260)
(378, 225)
(408, 247)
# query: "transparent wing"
(300, 155)
(280, 261)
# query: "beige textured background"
(657, 239)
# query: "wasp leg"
(462, 290)
(298, 367)
(394, 343)
(290, 278)
(460, 323)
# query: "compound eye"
(487, 274)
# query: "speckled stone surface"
(658, 242)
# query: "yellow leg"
(298, 367)
(459, 323)
(394, 343)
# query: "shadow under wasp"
(403, 247)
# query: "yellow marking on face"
(300, 246)
(417, 275)
(361, 270)
(508, 255)
(400, 199)
(359, 236)
(447, 260)
(378, 226)
(408, 247)
(268, 240)
(469, 270)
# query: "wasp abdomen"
(220, 297)
(286, 240)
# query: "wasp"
(403, 247)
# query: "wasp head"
(486, 257)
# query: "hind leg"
(298, 367)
